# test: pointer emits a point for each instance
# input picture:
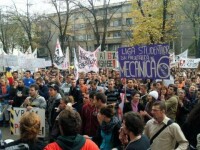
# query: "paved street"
(6, 134)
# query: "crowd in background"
(103, 111)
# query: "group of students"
(103, 111)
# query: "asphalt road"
(6, 133)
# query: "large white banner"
(188, 63)
(87, 60)
(16, 114)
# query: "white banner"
(182, 55)
(188, 63)
(16, 114)
(87, 60)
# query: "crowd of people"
(103, 111)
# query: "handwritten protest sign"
(107, 60)
(16, 113)
(151, 61)
(87, 60)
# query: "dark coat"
(19, 100)
(38, 145)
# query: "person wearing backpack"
(162, 131)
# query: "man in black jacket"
(43, 89)
(77, 95)
(19, 92)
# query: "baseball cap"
(54, 86)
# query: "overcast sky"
(41, 6)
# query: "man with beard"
(19, 92)
(34, 99)
(43, 89)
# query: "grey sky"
(40, 6)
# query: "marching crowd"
(103, 111)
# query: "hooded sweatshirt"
(77, 142)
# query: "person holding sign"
(34, 100)
(29, 129)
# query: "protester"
(152, 97)
(69, 122)
(191, 127)
(129, 89)
(4, 99)
(172, 102)
(144, 94)
(132, 128)
(89, 117)
(19, 92)
(43, 89)
(52, 104)
(28, 80)
(184, 107)
(113, 95)
(169, 136)
(83, 87)
(109, 129)
(77, 94)
(34, 99)
(134, 104)
(29, 130)
(66, 85)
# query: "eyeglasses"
(155, 110)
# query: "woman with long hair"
(134, 105)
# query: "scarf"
(108, 127)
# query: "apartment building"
(81, 23)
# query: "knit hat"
(154, 94)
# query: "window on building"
(129, 21)
(113, 47)
(117, 34)
(117, 23)
(89, 37)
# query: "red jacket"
(89, 145)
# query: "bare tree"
(27, 21)
(61, 18)
(46, 34)
(92, 15)
(10, 31)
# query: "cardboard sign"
(107, 60)
(16, 114)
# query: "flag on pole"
(29, 51)
(182, 55)
(66, 62)
(58, 57)
(58, 50)
(34, 54)
(75, 66)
